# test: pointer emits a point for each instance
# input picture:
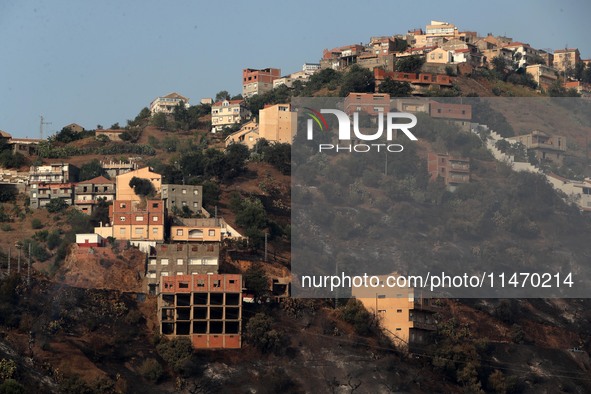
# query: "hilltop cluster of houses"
(446, 50)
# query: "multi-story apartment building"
(247, 135)
(453, 170)
(51, 181)
(115, 168)
(41, 193)
(178, 196)
(370, 103)
(53, 173)
(258, 81)
(126, 192)
(407, 318)
(441, 29)
(88, 193)
(196, 230)
(566, 59)
(181, 259)
(137, 220)
(545, 147)
(167, 103)
(228, 113)
(543, 75)
(277, 123)
(207, 309)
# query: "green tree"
(12, 160)
(36, 224)
(66, 135)
(410, 64)
(151, 370)
(257, 281)
(236, 156)
(358, 80)
(278, 155)
(222, 95)
(211, 194)
(395, 88)
(260, 333)
(160, 120)
(176, 352)
(91, 170)
(56, 205)
(142, 187)
(11, 386)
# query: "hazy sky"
(101, 62)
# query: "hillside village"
(157, 254)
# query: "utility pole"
(266, 234)
(41, 123)
(29, 268)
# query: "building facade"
(247, 135)
(453, 170)
(196, 230)
(138, 220)
(178, 196)
(207, 309)
(88, 193)
(258, 81)
(228, 113)
(167, 103)
(115, 168)
(543, 75)
(566, 59)
(545, 147)
(370, 103)
(53, 173)
(181, 259)
(42, 193)
(407, 318)
(277, 123)
(126, 192)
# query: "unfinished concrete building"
(205, 308)
(181, 259)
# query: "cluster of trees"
(182, 118)
(213, 163)
(8, 159)
(67, 135)
(47, 149)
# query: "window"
(122, 218)
(154, 218)
(163, 261)
(122, 205)
(164, 273)
(139, 218)
(155, 205)
(179, 247)
(195, 192)
(179, 232)
(139, 231)
(184, 191)
(398, 310)
(154, 230)
(212, 233)
(195, 205)
(179, 262)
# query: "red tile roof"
(98, 180)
